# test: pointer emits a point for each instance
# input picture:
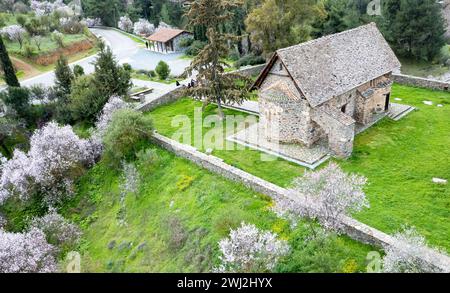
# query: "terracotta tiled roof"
(335, 64)
(165, 34)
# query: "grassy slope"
(47, 46)
(399, 159)
(422, 68)
(204, 212)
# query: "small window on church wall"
(281, 66)
(343, 108)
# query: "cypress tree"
(64, 76)
(213, 85)
(10, 75)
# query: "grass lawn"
(398, 157)
(48, 45)
(174, 222)
(133, 37)
(422, 68)
(142, 76)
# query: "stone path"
(398, 111)
(159, 89)
(251, 107)
(307, 157)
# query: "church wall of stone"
(288, 121)
(339, 128)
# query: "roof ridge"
(330, 36)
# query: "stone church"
(325, 88)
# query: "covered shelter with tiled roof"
(166, 40)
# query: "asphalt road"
(125, 51)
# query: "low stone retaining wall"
(167, 98)
(352, 227)
(250, 70)
(421, 82)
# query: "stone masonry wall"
(162, 100)
(251, 70)
(339, 127)
(421, 82)
(352, 227)
(288, 121)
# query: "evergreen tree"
(110, 77)
(108, 11)
(415, 28)
(18, 99)
(64, 76)
(8, 69)
(212, 84)
(281, 23)
(341, 15)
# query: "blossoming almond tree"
(125, 24)
(57, 229)
(325, 195)
(15, 33)
(143, 27)
(26, 253)
(249, 249)
(114, 103)
(403, 258)
(56, 157)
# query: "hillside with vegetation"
(35, 37)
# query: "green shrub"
(78, 70)
(147, 157)
(186, 42)
(178, 233)
(227, 220)
(151, 73)
(163, 70)
(128, 132)
(58, 38)
(184, 182)
(444, 55)
(195, 48)
(249, 59)
(18, 99)
(85, 101)
(28, 50)
(127, 67)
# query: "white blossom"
(130, 179)
(114, 103)
(325, 195)
(57, 230)
(402, 258)
(143, 27)
(125, 24)
(26, 253)
(91, 22)
(15, 177)
(56, 157)
(162, 24)
(249, 249)
(69, 25)
(41, 8)
(13, 32)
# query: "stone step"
(400, 115)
